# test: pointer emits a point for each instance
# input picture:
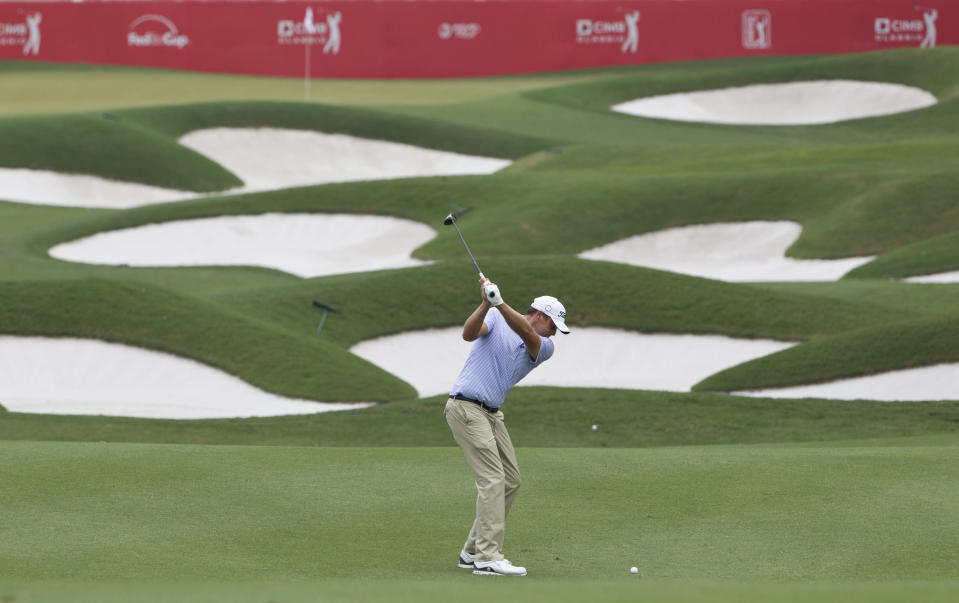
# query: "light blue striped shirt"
(497, 361)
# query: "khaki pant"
(489, 452)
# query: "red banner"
(456, 38)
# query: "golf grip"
(492, 294)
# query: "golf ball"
(594, 427)
(634, 570)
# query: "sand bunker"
(942, 278)
(41, 187)
(792, 103)
(739, 252)
(589, 357)
(307, 245)
(939, 382)
(91, 377)
(264, 159)
(270, 158)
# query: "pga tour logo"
(25, 34)
(458, 31)
(155, 31)
(624, 32)
(757, 26)
(308, 31)
(910, 30)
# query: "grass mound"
(578, 183)
(714, 497)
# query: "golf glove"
(492, 294)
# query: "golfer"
(507, 346)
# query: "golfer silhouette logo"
(632, 37)
(757, 29)
(333, 42)
(308, 25)
(761, 39)
(33, 42)
(930, 40)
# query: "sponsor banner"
(155, 31)
(324, 32)
(757, 29)
(455, 38)
(21, 31)
(916, 27)
(458, 31)
(622, 32)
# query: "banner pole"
(306, 70)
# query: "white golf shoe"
(466, 560)
(500, 567)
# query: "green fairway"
(623, 590)
(715, 497)
(812, 514)
(36, 88)
(538, 416)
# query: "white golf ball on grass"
(634, 570)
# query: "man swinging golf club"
(507, 345)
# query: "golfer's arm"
(474, 327)
(521, 326)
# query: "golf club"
(326, 310)
(492, 291)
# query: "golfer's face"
(546, 327)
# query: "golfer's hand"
(491, 293)
(483, 282)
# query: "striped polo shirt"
(496, 362)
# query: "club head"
(450, 219)
(325, 307)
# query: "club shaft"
(468, 249)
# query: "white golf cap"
(550, 306)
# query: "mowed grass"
(407, 590)
(308, 518)
(43, 88)
(714, 497)
(540, 417)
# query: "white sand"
(941, 278)
(263, 158)
(69, 376)
(270, 158)
(741, 251)
(430, 360)
(792, 103)
(90, 377)
(307, 245)
(41, 187)
(939, 382)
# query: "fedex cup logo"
(155, 31)
(757, 28)
(309, 31)
(458, 31)
(26, 33)
(625, 33)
